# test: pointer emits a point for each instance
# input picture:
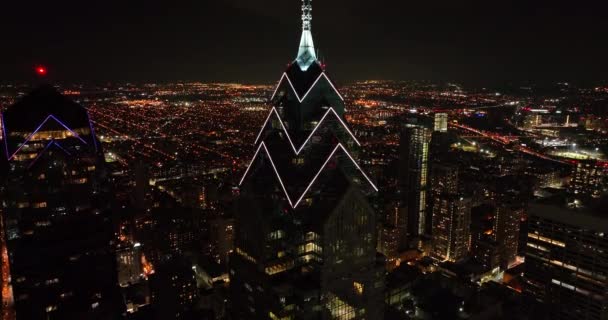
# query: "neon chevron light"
(92, 131)
(40, 154)
(62, 148)
(297, 151)
(339, 146)
(309, 89)
(38, 129)
(251, 162)
(263, 145)
(53, 142)
(4, 137)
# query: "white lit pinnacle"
(306, 52)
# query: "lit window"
(358, 288)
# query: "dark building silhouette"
(508, 221)
(57, 219)
(495, 231)
(484, 247)
(173, 290)
(169, 232)
(305, 234)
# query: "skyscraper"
(305, 234)
(57, 220)
(451, 216)
(567, 261)
(507, 225)
(413, 174)
(484, 247)
(440, 123)
(173, 290)
(587, 179)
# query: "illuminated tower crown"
(307, 114)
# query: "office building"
(57, 217)
(305, 234)
(566, 265)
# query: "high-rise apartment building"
(506, 230)
(484, 247)
(57, 219)
(440, 122)
(588, 179)
(451, 216)
(413, 177)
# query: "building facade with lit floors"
(57, 221)
(588, 179)
(305, 235)
(413, 179)
(566, 265)
(451, 216)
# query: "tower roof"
(44, 109)
(42, 102)
(306, 52)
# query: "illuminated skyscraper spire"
(303, 215)
(306, 52)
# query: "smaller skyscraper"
(484, 247)
(221, 238)
(587, 179)
(451, 216)
(173, 289)
(567, 261)
(130, 269)
(451, 220)
(506, 230)
(413, 174)
(440, 123)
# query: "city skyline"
(305, 199)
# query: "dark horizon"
(476, 42)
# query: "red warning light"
(41, 71)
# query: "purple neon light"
(38, 129)
(339, 146)
(29, 138)
(70, 130)
(297, 151)
(41, 153)
(52, 142)
(309, 89)
(4, 137)
(92, 131)
(62, 148)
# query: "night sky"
(251, 41)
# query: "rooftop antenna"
(306, 52)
